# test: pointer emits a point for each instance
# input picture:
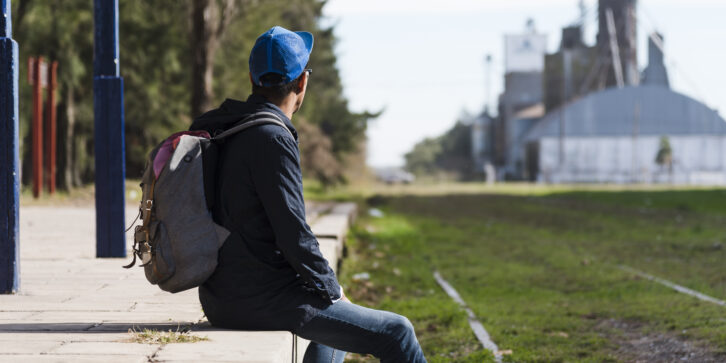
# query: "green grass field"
(539, 267)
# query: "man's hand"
(342, 295)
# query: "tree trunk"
(70, 125)
(208, 25)
(205, 16)
(67, 141)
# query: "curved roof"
(645, 110)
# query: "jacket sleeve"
(278, 180)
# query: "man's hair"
(275, 92)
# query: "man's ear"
(301, 83)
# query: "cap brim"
(308, 39)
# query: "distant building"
(524, 67)
(626, 36)
(613, 136)
(655, 73)
(577, 69)
(586, 113)
(520, 125)
(571, 71)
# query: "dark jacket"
(271, 274)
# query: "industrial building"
(587, 114)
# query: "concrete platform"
(73, 307)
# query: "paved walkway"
(76, 308)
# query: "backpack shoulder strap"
(259, 118)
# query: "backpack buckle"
(145, 253)
(149, 205)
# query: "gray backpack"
(178, 241)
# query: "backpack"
(178, 241)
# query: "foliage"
(154, 52)
(325, 110)
(450, 152)
(540, 271)
(664, 158)
(422, 159)
(316, 154)
(63, 31)
(155, 61)
(152, 336)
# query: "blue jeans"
(344, 327)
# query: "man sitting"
(271, 274)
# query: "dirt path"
(638, 346)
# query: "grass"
(149, 336)
(80, 196)
(539, 267)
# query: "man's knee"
(398, 327)
(400, 343)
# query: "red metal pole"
(37, 129)
(50, 130)
(46, 135)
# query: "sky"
(422, 61)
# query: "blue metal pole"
(108, 112)
(9, 156)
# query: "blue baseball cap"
(280, 51)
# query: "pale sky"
(423, 60)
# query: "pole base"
(110, 166)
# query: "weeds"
(150, 336)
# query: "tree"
(164, 90)
(664, 158)
(209, 22)
(62, 31)
(316, 154)
(450, 152)
(325, 109)
(156, 70)
(421, 160)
